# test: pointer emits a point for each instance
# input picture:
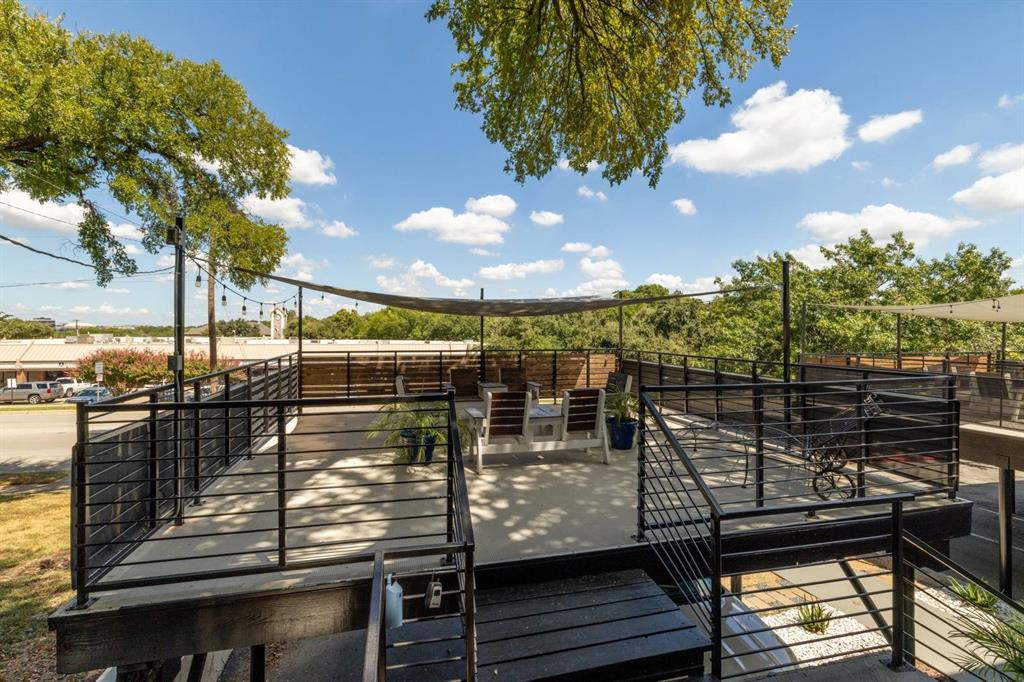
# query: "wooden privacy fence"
(359, 373)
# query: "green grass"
(25, 407)
(30, 478)
(34, 580)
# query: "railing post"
(716, 598)
(153, 465)
(79, 508)
(197, 444)
(686, 382)
(864, 446)
(661, 371)
(588, 368)
(953, 422)
(898, 586)
(394, 373)
(470, 616)
(248, 412)
(641, 466)
(227, 419)
(440, 370)
(554, 373)
(759, 452)
(718, 391)
(282, 495)
(348, 374)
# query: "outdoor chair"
(619, 382)
(505, 427)
(583, 424)
(515, 379)
(464, 380)
(402, 389)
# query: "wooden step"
(610, 626)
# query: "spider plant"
(814, 618)
(408, 426)
(993, 644)
(974, 595)
(621, 406)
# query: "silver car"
(32, 392)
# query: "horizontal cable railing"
(745, 498)
(168, 492)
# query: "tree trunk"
(211, 316)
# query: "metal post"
(227, 419)
(470, 616)
(248, 411)
(300, 379)
(620, 329)
(640, 467)
(1002, 351)
(759, 452)
(898, 586)
(909, 614)
(282, 495)
(154, 465)
(803, 330)
(79, 498)
(554, 374)
(716, 599)
(786, 331)
(864, 446)
(257, 663)
(483, 361)
(899, 341)
(197, 444)
(1006, 531)
(177, 362)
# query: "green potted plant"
(413, 428)
(621, 411)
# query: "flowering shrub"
(129, 369)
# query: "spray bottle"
(393, 603)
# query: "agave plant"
(992, 638)
(814, 618)
(975, 595)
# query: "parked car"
(71, 385)
(91, 395)
(32, 392)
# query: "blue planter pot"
(621, 435)
(412, 444)
(428, 449)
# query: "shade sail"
(515, 307)
(1000, 309)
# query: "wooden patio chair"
(464, 380)
(583, 420)
(619, 382)
(515, 379)
(505, 427)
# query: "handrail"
(270, 402)
(944, 561)
(676, 388)
(374, 658)
(709, 497)
(824, 505)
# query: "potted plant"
(412, 428)
(621, 410)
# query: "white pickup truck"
(70, 386)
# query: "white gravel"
(808, 645)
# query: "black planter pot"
(621, 434)
(428, 449)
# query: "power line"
(58, 220)
(84, 280)
(76, 262)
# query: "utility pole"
(176, 363)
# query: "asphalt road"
(36, 440)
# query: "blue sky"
(788, 166)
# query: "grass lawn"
(30, 478)
(25, 407)
(34, 580)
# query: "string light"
(224, 296)
(261, 310)
(243, 306)
(199, 280)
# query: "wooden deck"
(611, 626)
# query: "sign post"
(98, 370)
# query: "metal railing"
(244, 489)
(712, 519)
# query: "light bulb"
(199, 280)
(243, 306)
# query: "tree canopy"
(81, 112)
(601, 82)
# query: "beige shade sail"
(1001, 309)
(515, 307)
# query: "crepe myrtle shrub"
(129, 369)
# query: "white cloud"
(888, 183)
(1007, 101)
(521, 270)
(999, 194)
(131, 249)
(497, 205)
(684, 206)
(591, 165)
(546, 218)
(810, 255)
(477, 251)
(310, 167)
(126, 231)
(599, 251)
(860, 165)
(288, 212)
(22, 212)
(588, 193)
(671, 282)
(959, 154)
(337, 228)
(881, 222)
(67, 285)
(603, 276)
(1005, 157)
(409, 282)
(108, 310)
(601, 269)
(380, 262)
(117, 290)
(677, 283)
(881, 128)
(461, 228)
(300, 266)
(576, 247)
(774, 131)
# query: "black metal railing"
(219, 501)
(713, 519)
(954, 623)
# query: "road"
(36, 440)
